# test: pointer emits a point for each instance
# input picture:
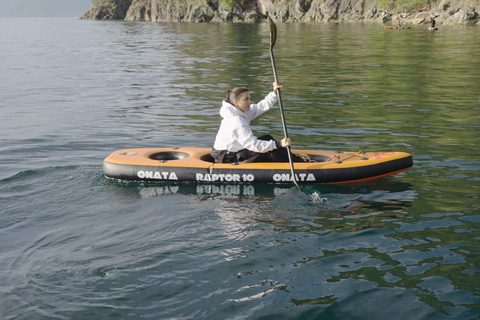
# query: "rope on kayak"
(359, 154)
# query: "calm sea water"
(74, 245)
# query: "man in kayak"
(235, 141)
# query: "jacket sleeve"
(263, 106)
(244, 135)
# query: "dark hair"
(234, 93)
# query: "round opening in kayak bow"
(169, 155)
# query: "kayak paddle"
(273, 39)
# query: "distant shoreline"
(445, 12)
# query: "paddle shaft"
(278, 94)
(289, 152)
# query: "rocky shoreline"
(445, 12)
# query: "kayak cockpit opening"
(169, 155)
(208, 158)
(316, 158)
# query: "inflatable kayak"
(395, 28)
(197, 165)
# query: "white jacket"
(235, 133)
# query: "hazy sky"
(44, 8)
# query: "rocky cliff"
(107, 10)
(446, 12)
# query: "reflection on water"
(363, 241)
(367, 191)
(324, 209)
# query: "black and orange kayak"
(197, 165)
(395, 28)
